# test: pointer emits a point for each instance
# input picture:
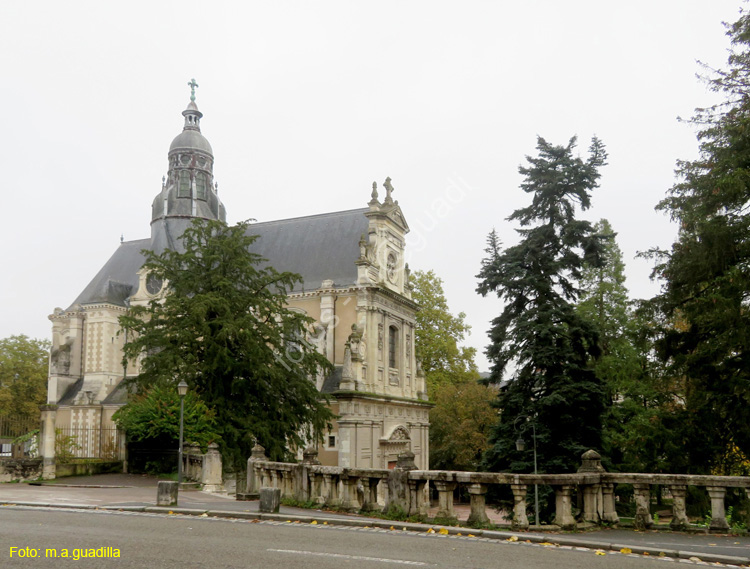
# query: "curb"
(411, 527)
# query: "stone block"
(270, 499)
(166, 493)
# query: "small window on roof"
(200, 186)
(183, 189)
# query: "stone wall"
(20, 469)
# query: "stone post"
(398, 482)
(166, 493)
(47, 441)
(270, 499)
(520, 519)
(445, 499)
(642, 494)
(718, 514)
(609, 512)
(309, 458)
(679, 511)
(478, 515)
(563, 504)
(327, 494)
(258, 454)
(591, 462)
(211, 474)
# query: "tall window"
(183, 190)
(200, 186)
(393, 347)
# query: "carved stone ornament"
(60, 358)
(391, 268)
(380, 337)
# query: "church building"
(355, 286)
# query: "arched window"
(393, 347)
(200, 186)
(183, 189)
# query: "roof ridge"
(326, 214)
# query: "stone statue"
(388, 190)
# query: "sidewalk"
(138, 493)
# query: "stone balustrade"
(405, 487)
(205, 468)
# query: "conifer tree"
(224, 327)
(706, 272)
(540, 337)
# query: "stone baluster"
(417, 503)
(679, 510)
(718, 513)
(274, 478)
(327, 491)
(445, 499)
(520, 519)
(370, 501)
(563, 507)
(350, 499)
(642, 494)
(478, 515)
(609, 512)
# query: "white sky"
(306, 103)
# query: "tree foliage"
(155, 416)
(706, 274)
(539, 333)
(225, 329)
(460, 425)
(24, 363)
(438, 334)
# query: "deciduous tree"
(23, 376)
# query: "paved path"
(138, 492)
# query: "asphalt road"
(186, 542)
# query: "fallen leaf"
(600, 552)
(460, 534)
(314, 523)
(512, 538)
(443, 531)
(626, 551)
(430, 530)
(471, 535)
(696, 559)
(204, 515)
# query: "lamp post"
(182, 388)
(520, 446)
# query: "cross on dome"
(192, 84)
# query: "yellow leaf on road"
(512, 538)
(443, 531)
(313, 523)
(430, 530)
(600, 552)
(626, 551)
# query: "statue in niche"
(318, 338)
(355, 341)
(363, 247)
(60, 358)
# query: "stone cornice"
(339, 395)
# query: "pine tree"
(706, 272)
(539, 335)
(225, 329)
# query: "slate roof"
(318, 247)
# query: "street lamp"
(182, 388)
(520, 446)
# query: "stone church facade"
(355, 286)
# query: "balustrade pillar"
(350, 499)
(592, 503)
(417, 503)
(642, 495)
(679, 510)
(563, 507)
(520, 519)
(478, 515)
(445, 499)
(609, 512)
(718, 513)
(370, 498)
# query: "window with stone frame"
(200, 186)
(393, 347)
(183, 188)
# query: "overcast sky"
(307, 103)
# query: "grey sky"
(306, 103)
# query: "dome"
(191, 140)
